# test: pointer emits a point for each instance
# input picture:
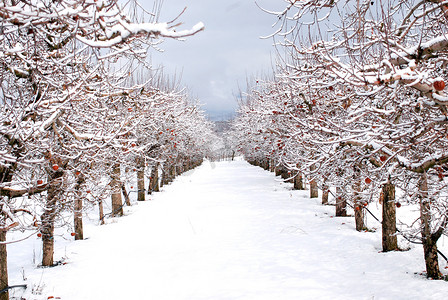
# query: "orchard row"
(81, 113)
(360, 110)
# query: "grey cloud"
(216, 62)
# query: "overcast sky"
(215, 63)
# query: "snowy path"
(233, 231)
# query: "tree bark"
(49, 216)
(359, 208)
(5, 176)
(314, 191)
(101, 211)
(79, 232)
(165, 175)
(162, 178)
(325, 194)
(389, 224)
(278, 171)
(3, 266)
(172, 173)
(289, 177)
(359, 217)
(77, 210)
(154, 179)
(298, 182)
(429, 240)
(141, 183)
(179, 169)
(117, 204)
(265, 164)
(47, 230)
(125, 195)
(341, 203)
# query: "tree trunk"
(162, 178)
(341, 203)
(265, 165)
(284, 173)
(154, 179)
(325, 193)
(49, 216)
(172, 173)
(179, 169)
(47, 230)
(168, 175)
(298, 182)
(314, 191)
(359, 217)
(359, 208)
(278, 171)
(117, 204)
(429, 240)
(79, 233)
(287, 176)
(101, 211)
(389, 224)
(185, 167)
(125, 195)
(3, 266)
(5, 176)
(77, 210)
(165, 171)
(141, 183)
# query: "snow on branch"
(47, 123)
(428, 163)
(16, 192)
(123, 31)
(423, 50)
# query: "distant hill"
(222, 126)
(220, 115)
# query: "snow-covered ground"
(226, 230)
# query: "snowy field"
(226, 230)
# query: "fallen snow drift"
(226, 230)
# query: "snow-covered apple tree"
(359, 103)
